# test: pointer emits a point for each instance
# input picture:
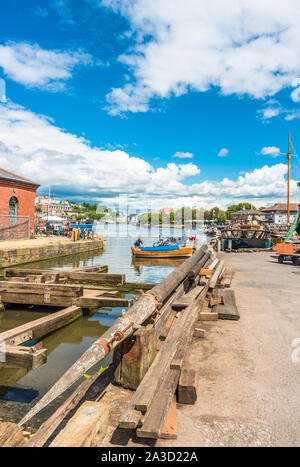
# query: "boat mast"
(288, 187)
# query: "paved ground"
(248, 384)
(40, 241)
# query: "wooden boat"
(172, 251)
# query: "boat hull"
(179, 253)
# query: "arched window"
(13, 210)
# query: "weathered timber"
(94, 302)
(187, 330)
(51, 424)
(101, 278)
(86, 428)
(11, 435)
(175, 340)
(161, 320)
(215, 277)
(208, 316)
(169, 430)
(187, 299)
(23, 357)
(229, 310)
(136, 315)
(227, 278)
(41, 327)
(98, 268)
(156, 416)
(41, 289)
(187, 391)
(135, 356)
(194, 271)
(23, 272)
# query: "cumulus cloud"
(33, 66)
(242, 47)
(270, 151)
(223, 153)
(183, 155)
(33, 146)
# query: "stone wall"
(22, 255)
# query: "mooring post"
(134, 357)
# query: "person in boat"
(138, 243)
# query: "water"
(19, 389)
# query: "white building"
(277, 214)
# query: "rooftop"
(10, 176)
(282, 207)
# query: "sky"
(163, 102)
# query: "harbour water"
(19, 389)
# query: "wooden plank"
(98, 302)
(155, 418)
(51, 424)
(187, 391)
(23, 357)
(208, 316)
(206, 272)
(169, 430)
(188, 331)
(229, 311)
(41, 327)
(11, 435)
(86, 428)
(215, 277)
(39, 289)
(101, 278)
(33, 299)
(187, 299)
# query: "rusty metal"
(217, 301)
(157, 303)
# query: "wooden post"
(135, 356)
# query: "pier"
(199, 359)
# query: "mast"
(289, 174)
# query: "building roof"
(10, 176)
(247, 212)
(281, 207)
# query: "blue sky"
(100, 96)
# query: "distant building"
(17, 200)
(132, 218)
(277, 214)
(52, 207)
(248, 216)
(167, 211)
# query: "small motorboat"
(170, 247)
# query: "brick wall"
(25, 195)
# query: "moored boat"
(172, 251)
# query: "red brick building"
(17, 205)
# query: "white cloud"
(243, 47)
(270, 151)
(33, 66)
(223, 153)
(34, 147)
(183, 155)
